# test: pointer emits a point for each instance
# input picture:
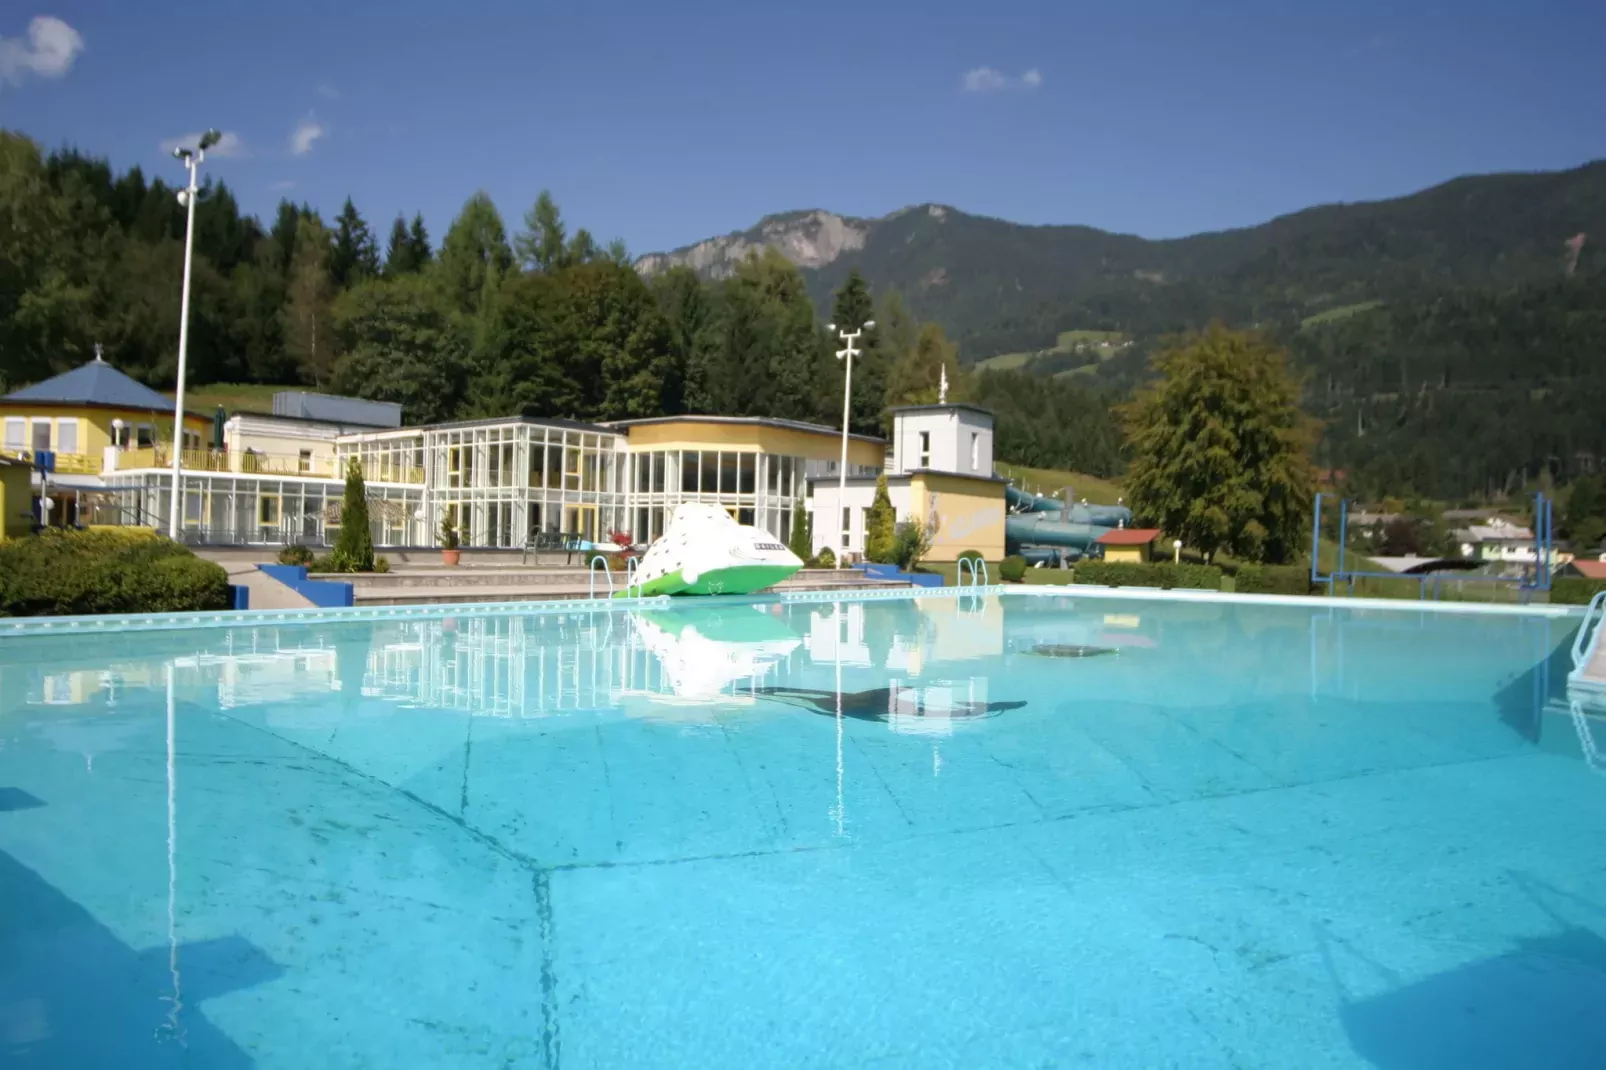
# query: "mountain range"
(999, 287)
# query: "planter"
(451, 557)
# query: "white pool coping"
(20, 627)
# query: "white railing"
(591, 573)
(978, 573)
(630, 577)
(1589, 630)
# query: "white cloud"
(229, 144)
(984, 80)
(283, 185)
(328, 92)
(48, 51)
(989, 80)
(306, 132)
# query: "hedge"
(1148, 574)
(105, 571)
(1273, 579)
(1575, 590)
(1012, 569)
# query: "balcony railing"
(66, 463)
(250, 462)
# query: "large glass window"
(67, 436)
(745, 473)
(772, 474)
(727, 472)
(643, 462)
(688, 473)
(709, 483)
(16, 433)
(41, 434)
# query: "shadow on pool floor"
(1539, 1004)
(73, 995)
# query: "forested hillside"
(998, 287)
(1453, 343)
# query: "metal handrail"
(1586, 738)
(591, 574)
(959, 571)
(1589, 629)
(630, 576)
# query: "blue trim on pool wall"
(325, 594)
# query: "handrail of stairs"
(591, 575)
(1589, 629)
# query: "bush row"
(105, 571)
(1273, 579)
(1148, 574)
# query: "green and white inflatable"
(704, 551)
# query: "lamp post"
(846, 353)
(191, 159)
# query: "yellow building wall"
(970, 514)
(1130, 554)
(16, 501)
(782, 441)
(95, 424)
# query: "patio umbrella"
(217, 427)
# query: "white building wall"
(827, 507)
(955, 440)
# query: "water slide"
(1108, 516)
(1040, 529)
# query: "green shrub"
(1575, 590)
(1148, 574)
(381, 564)
(1273, 579)
(354, 546)
(824, 559)
(880, 527)
(324, 563)
(295, 555)
(910, 544)
(1013, 569)
(92, 572)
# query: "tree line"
(538, 321)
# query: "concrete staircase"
(441, 585)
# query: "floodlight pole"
(846, 353)
(187, 197)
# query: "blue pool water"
(1044, 831)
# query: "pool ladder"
(591, 575)
(978, 572)
(1586, 640)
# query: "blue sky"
(666, 123)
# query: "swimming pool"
(941, 831)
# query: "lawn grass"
(1051, 481)
(1004, 362)
(1065, 342)
(234, 397)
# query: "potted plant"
(450, 554)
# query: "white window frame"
(64, 427)
(16, 432)
(925, 449)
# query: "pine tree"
(916, 377)
(399, 253)
(308, 337)
(354, 256)
(543, 244)
(1220, 448)
(850, 311)
(475, 244)
(422, 254)
(354, 547)
(880, 526)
